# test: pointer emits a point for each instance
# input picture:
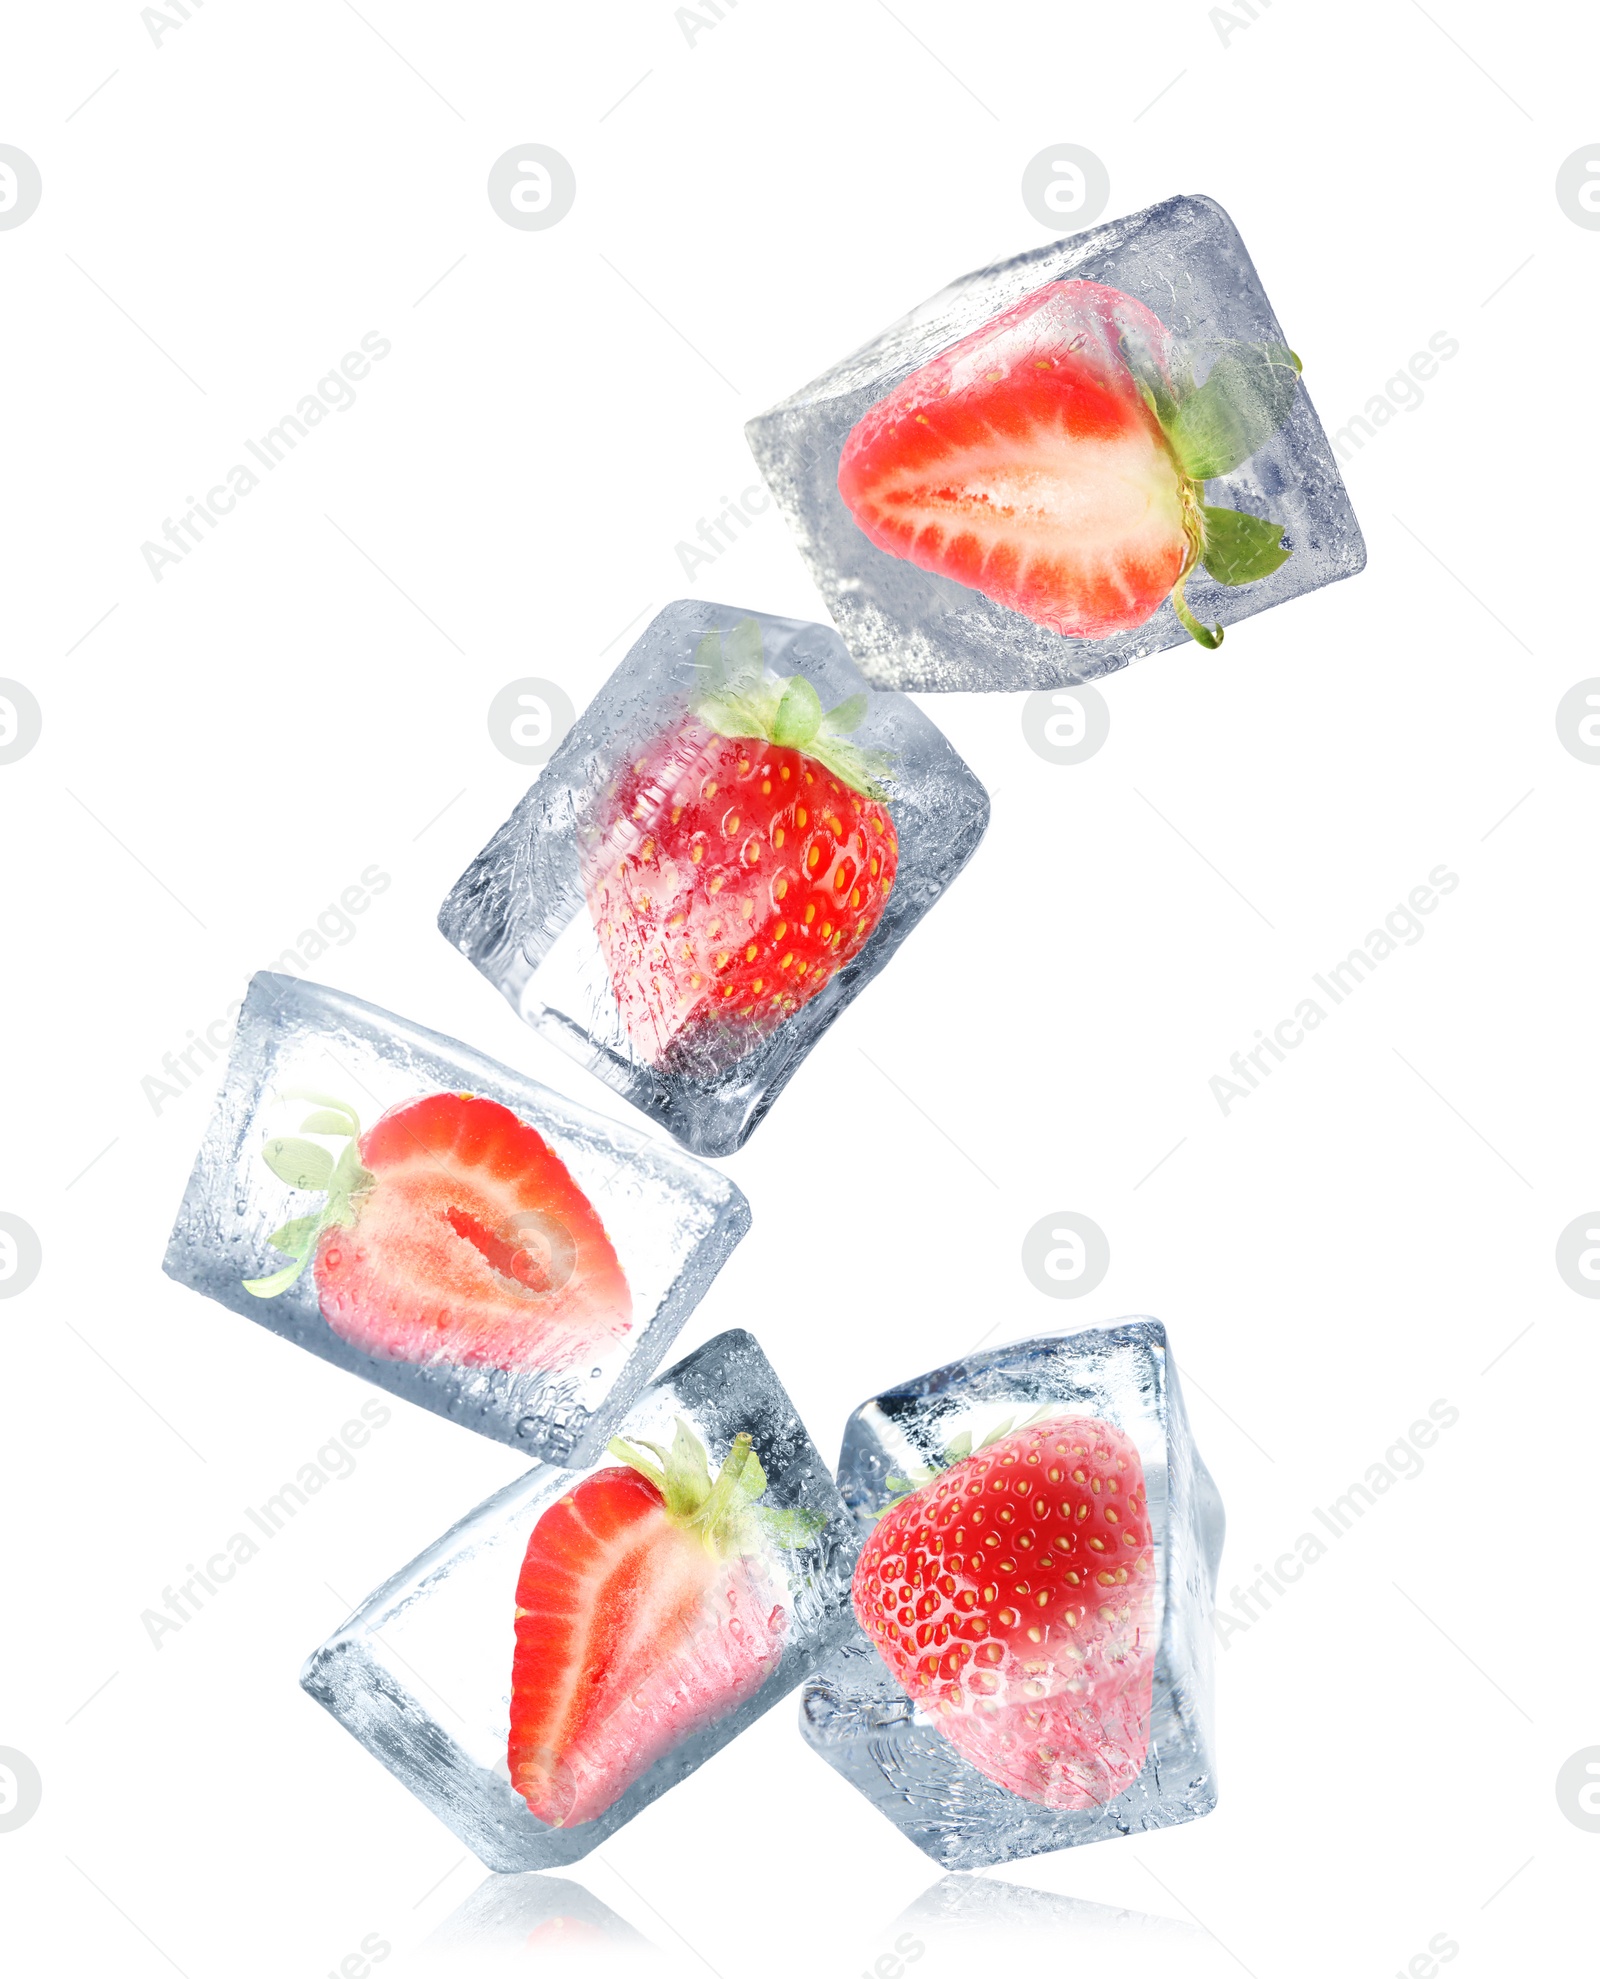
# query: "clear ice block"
(921, 629)
(636, 1004)
(422, 1673)
(526, 1283)
(855, 1714)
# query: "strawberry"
(450, 1231)
(1055, 460)
(646, 1610)
(738, 862)
(1013, 1598)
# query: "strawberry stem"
(721, 1514)
(1194, 536)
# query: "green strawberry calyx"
(919, 1476)
(735, 697)
(720, 1512)
(340, 1179)
(1211, 429)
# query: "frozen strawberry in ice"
(1063, 462)
(646, 1610)
(1056, 461)
(1034, 1597)
(581, 1643)
(449, 1231)
(733, 839)
(740, 860)
(486, 1249)
(1013, 1597)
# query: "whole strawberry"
(1013, 1598)
(738, 861)
(1056, 459)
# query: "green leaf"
(1241, 548)
(351, 1119)
(791, 1527)
(326, 1122)
(799, 714)
(1240, 406)
(297, 1236)
(847, 717)
(280, 1281)
(742, 647)
(302, 1164)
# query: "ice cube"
(423, 1673)
(1092, 537)
(685, 906)
(1120, 1675)
(483, 1248)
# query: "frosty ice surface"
(1078, 1672)
(655, 1643)
(1063, 463)
(444, 1227)
(732, 841)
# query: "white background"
(226, 751)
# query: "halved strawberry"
(1055, 460)
(646, 1610)
(1013, 1598)
(738, 862)
(451, 1231)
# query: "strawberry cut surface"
(1014, 1599)
(633, 1631)
(469, 1242)
(1025, 463)
(729, 879)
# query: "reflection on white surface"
(943, 1930)
(535, 1923)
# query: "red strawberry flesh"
(472, 1244)
(631, 1634)
(1014, 1599)
(1025, 463)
